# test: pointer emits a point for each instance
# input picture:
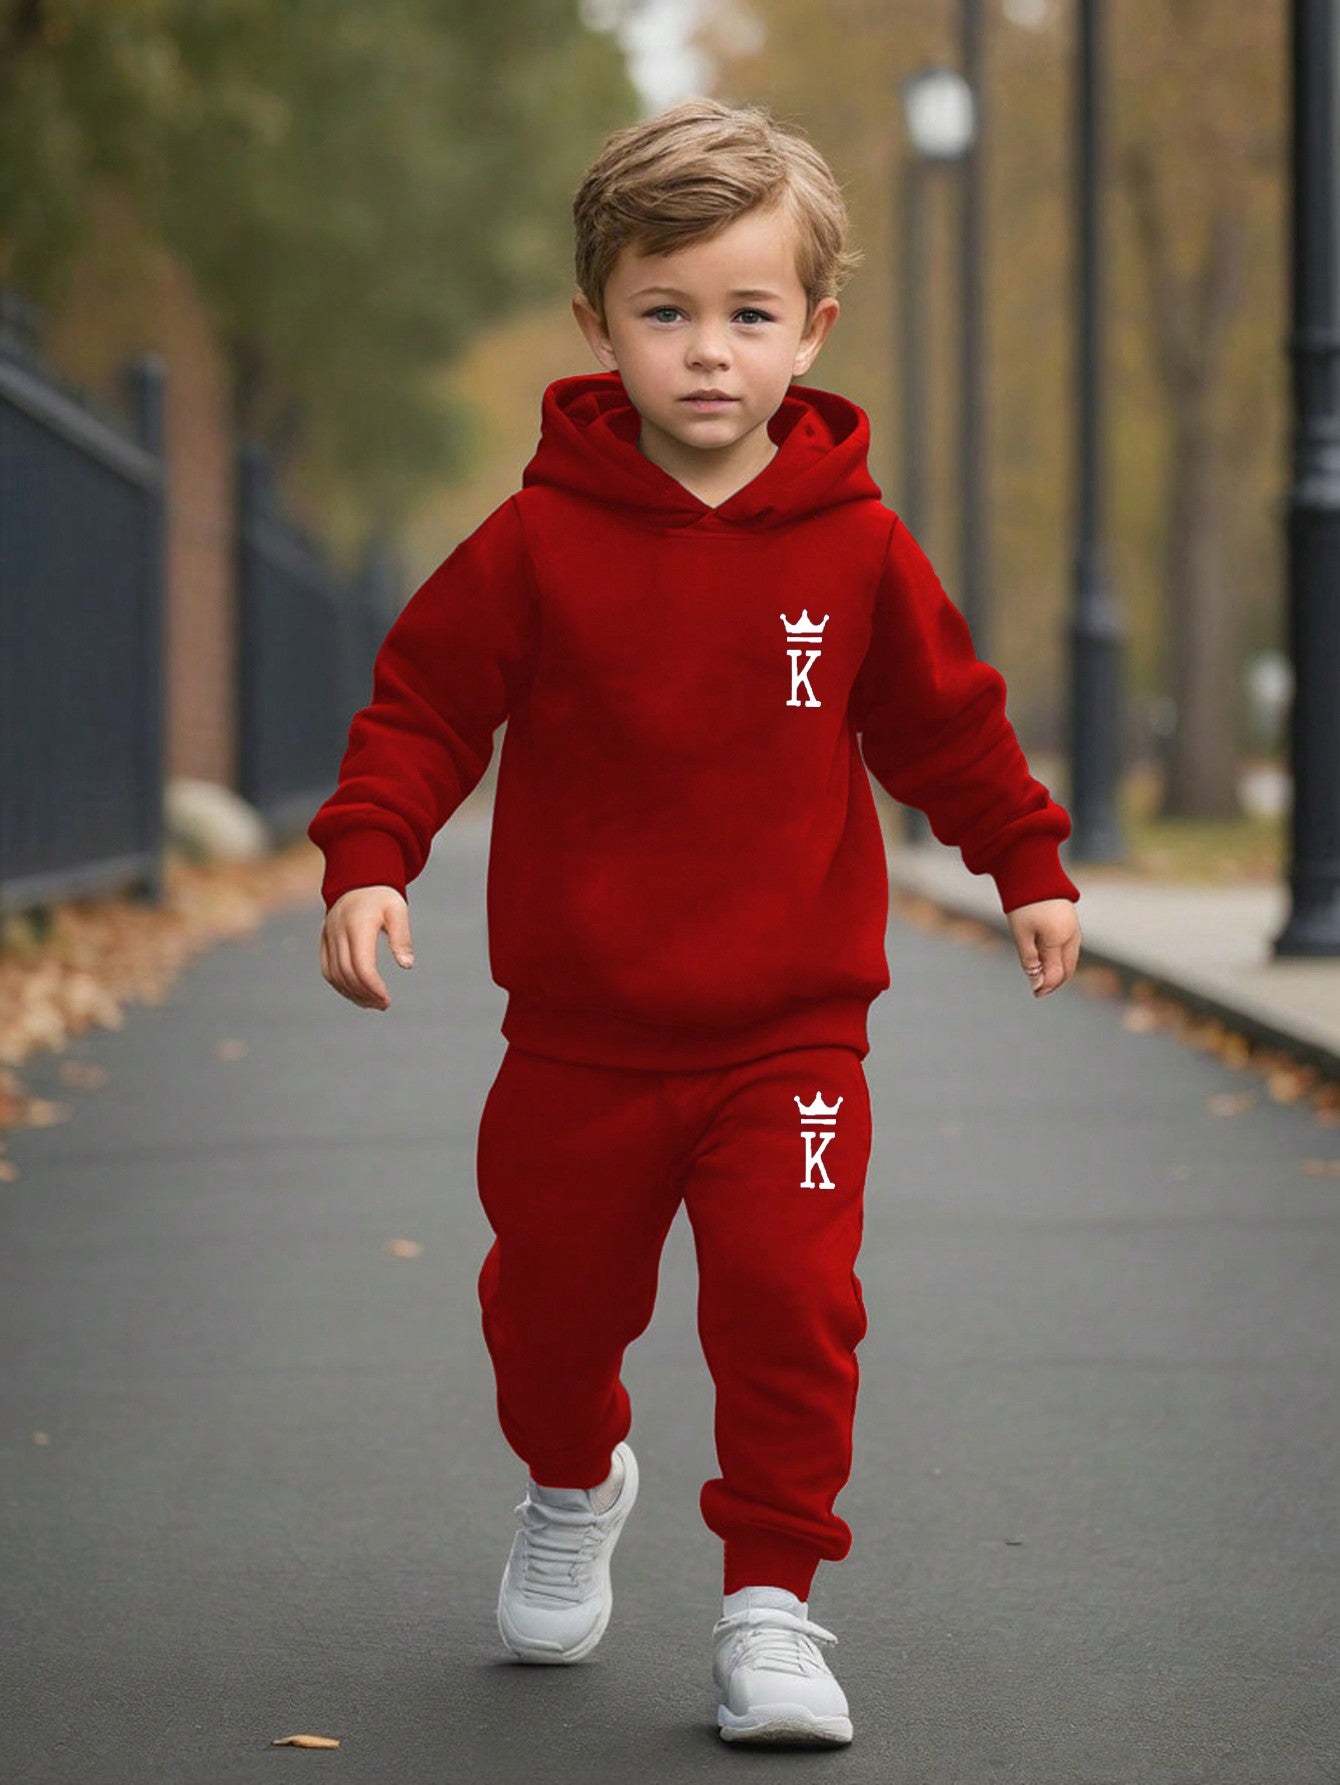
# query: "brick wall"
(128, 295)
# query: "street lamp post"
(1313, 926)
(939, 115)
(915, 378)
(974, 557)
(1095, 718)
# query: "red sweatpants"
(581, 1170)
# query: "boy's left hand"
(1047, 935)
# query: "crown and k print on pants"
(581, 1169)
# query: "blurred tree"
(355, 186)
(1199, 160)
(1197, 409)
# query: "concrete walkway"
(253, 1485)
(1211, 943)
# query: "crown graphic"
(818, 1110)
(804, 626)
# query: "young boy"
(697, 617)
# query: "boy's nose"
(708, 350)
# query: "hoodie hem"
(599, 1038)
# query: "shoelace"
(558, 1545)
(777, 1639)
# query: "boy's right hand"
(349, 942)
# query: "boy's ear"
(594, 330)
(826, 313)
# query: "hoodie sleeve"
(931, 717)
(442, 682)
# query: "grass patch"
(1250, 849)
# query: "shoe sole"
(554, 1654)
(782, 1723)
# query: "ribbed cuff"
(1032, 871)
(362, 858)
(762, 1559)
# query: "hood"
(588, 446)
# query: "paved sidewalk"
(1209, 943)
(252, 1482)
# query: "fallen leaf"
(1098, 981)
(916, 909)
(963, 929)
(41, 1437)
(1287, 1084)
(83, 1073)
(304, 1741)
(1139, 1020)
(9, 1172)
(11, 1099)
(230, 1049)
(402, 1248)
(1208, 1032)
(1322, 1168)
(1231, 1103)
(41, 1112)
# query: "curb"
(1307, 1049)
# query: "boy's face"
(725, 315)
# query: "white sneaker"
(775, 1685)
(555, 1599)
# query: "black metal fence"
(308, 637)
(81, 611)
(82, 667)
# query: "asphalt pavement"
(1212, 946)
(253, 1483)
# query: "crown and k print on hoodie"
(686, 866)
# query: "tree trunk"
(1202, 769)
(1191, 319)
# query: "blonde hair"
(690, 171)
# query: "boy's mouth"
(709, 399)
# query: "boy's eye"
(749, 316)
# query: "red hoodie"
(687, 867)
